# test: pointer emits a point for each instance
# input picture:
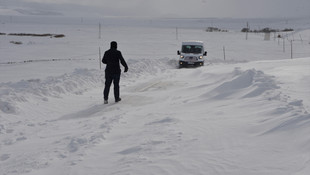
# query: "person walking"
(112, 58)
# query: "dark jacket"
(112, 58)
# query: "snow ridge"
(76, 82)
(250, 83)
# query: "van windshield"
(196, 49)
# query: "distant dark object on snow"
(59, 36)
(215, 29)
(16, 42)
(38, 35)
(266, 30)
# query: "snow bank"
(252, 83)
(75, 83)
(249, 83)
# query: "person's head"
(113, 45)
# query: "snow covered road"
(219, 119)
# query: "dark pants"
(109, 78)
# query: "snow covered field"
(248, 114)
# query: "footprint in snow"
(4, 157)
(131, 150)
(163, 121)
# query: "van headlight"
(181, 56)
(201, 57)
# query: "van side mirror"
(205, 54)
(178, 52)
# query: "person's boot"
(105, 102)
(117, 100)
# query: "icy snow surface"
(248, 114)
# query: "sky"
(160, 8)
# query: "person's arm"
(123, 62)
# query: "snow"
(248, 114)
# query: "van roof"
(192, 43)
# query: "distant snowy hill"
(24, 8)
(38, 12)
(24, 11)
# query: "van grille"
(191, 58)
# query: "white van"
(192, 54)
